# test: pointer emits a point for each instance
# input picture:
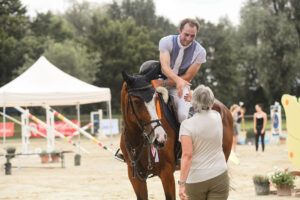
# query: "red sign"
(9, 129)
(59, 126)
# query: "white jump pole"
(78, 125)
(25, 132)
(55, 131)
(50, 131)
(4, 131)
(89, 125)
(86, 134)
(110, 123)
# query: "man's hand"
(180, 83)
(182, 193)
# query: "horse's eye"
(137, 103)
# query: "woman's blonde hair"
(233, 107)
(202, 99)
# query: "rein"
(146, 142)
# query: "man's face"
(187, 34)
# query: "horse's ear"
(128, 79)
(153, 72)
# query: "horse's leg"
(167, 178)
(140, 187)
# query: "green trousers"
(213, 189)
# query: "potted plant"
(11, 150)
(55, 155)
(10, 154)
(283, 181)
(44, 156)
(261, 184)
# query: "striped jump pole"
(86, 134)
(22, 124)
(83, 128)
(55, 131)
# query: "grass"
(249, 123)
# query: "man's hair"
(202, 99)
(191, 22)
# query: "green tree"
(143, 13)
(70, 57)
(79, 15)
(123, 46)
(12, 31)
(269, 49)
(49, 25)
(220, 72)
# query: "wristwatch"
(164, 83)
(181, 182)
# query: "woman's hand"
(182, 193)
(263, 131)
(180, 84)
(255, 131)
(188, 96)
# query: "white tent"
(43, 83)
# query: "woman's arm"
(186, 161)
(254, 122)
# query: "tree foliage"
(269, 44)
(254, 62)
(12, 31)
(123, 46)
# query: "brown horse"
(143, 130)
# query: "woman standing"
(234, 111)
(203, 174)
(260, 121)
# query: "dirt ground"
(101, 177)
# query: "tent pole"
(78, 124)
(110, 123)
(4, 130)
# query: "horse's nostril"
(159, 144)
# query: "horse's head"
(139, 105)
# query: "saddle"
(168, 108)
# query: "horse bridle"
(143, 124)
(135, 158)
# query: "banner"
(106, 126)
(9, 129)
(59, 126)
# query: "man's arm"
(179, 81)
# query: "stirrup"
(119, 156)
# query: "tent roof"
(43, 83)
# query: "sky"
(174, 10)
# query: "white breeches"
(181, 106)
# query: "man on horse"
(180, 58)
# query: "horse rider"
(180, 58)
